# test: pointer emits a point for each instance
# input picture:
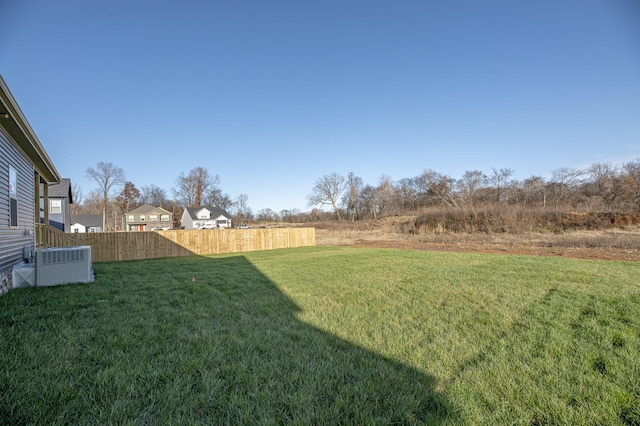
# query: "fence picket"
(115, 246)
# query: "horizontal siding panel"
(12, 243)
(14, 239)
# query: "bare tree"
(191, 189)
(290, 215)
(407, 192)
(437, 188)
(241, 207)
(500, 181)
(367, 202)
(470, 185)
(108, 177)
(92, 203)
(154, 196)
(384, 194)
(631, 178)
(354, 186)
(534, 190)
(266, 215)
(605, 183)
(216, 198)
(327, 191)
(78, 198)
(562, 181)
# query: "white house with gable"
(82, 223)
(205, 218)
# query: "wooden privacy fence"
(113, 246)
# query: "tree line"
(601, 187)
(115, 196)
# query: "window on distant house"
(55, 206)
(153, 217)
(131, 219)
(142, 218)
(164, 217)
(13, 197)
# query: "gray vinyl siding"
(14, 239)
(57, 220)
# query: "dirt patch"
(578, 253)
(611, 244)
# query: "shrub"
(515, 220)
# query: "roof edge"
(23, 135)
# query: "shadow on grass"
(145, 344)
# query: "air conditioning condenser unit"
(63, 265)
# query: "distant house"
(83, 223)
(25, 171)
(147, 218)
(205, 218)
(59, 205)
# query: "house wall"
(186, 221)
(133, 225)
(223, 222)
(57, 220)
(14, 239)
(148, 224)
(78, 228)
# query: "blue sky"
(271, 95)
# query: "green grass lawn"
(327, 335)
